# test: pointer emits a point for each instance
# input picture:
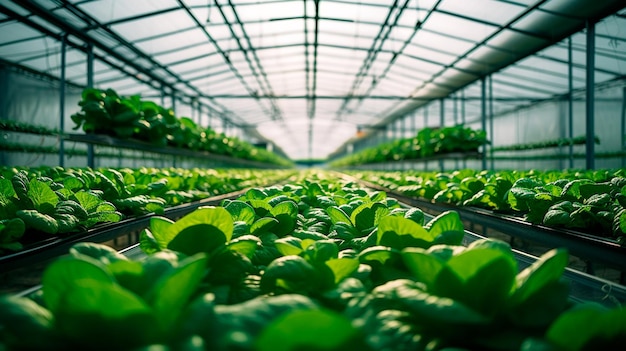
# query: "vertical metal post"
(455, 109)
(414, 123)
(199, 112)
(90, 84)
(483, 118)
(403, 127)
(463, 120)
(570, 101)
(455, 113)
(590, 95)
(623, 132)
(62, 100)
(162, 95)
(426, 116)
(398, 129)
(174, 102)
(441, 113)
(310, 150)
(442, 122)
(192, 106)
(463, 107)
(491, 132)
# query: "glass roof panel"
(153, 25)
(172, 41)
(458, 27)
(499, 12)
(269, 10)
(445, 43)
(13, 31)
(436, 56)
(184, 56)
(453, 77)
(107, 11)
(539, 22)
(19, 51)
(512, 41)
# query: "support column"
(623, 132)
(463, 107)
(90, 58)
(455, 109)
(483, 118)
(590, 96)
(491, 132)
(62, 100)
(570, 101)
(442, 116)
(174, 102)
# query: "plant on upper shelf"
(579, 140)
(22, 127)
(428, 142)
(106, 112)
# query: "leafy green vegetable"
(325, 330)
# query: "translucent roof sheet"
(305, 74)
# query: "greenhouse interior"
(436, 175)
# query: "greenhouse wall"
(549, 121)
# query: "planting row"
(105, 112)
(38, 203)
(316, 264)
(590, 201)
(428, 142)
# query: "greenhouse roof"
(307, 74)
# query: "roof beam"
(256, 68)
(372, 53)
(130, 19)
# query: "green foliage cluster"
(315, 264)
(579, 140)
(22, 127)
(428, 142)
(37, 203)
(105, 112)
(589, 201)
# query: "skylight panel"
(458, 27)
(496, 12)
(107, 11)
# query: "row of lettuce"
(105, 112)
(590, 201)
(314, 264)
(427, 142)
(38, 203)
